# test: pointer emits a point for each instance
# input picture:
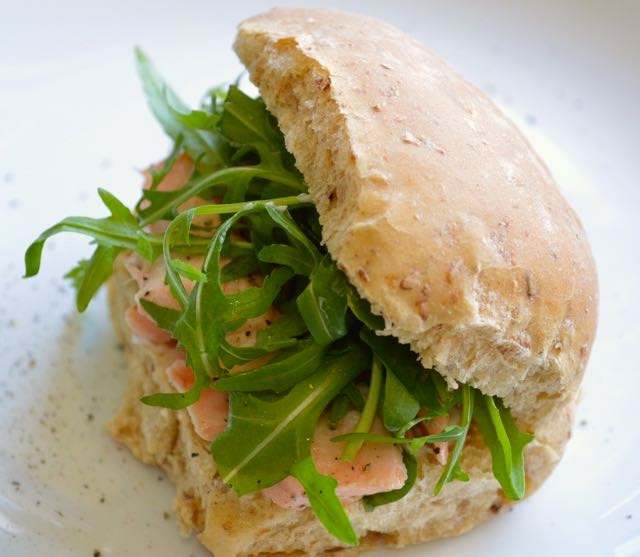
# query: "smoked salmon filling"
(279, 362)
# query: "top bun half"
(433, 204)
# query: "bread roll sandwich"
(356, 309)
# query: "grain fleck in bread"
(446, 221)
(231, 526)
(433, 204)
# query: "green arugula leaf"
(447, 397)
(246, 122)
(399, 406)
(506, 443)
(281, 333)
(338, 410)
(240, 267)
(208, 313)
(254, 301)
(321, 491)
(281, 254)
(106, 232)
(362, 310)
(112, 234)
(349, 397)
(370, 502)
(232, 355)
(408, 370)
(76, 273)
(180, 225)
(165, 318)
(200, 139)
(283, 372)
(200, 328)
(119, 211)
(89, 276)
(145, 248)
(243, 121)
(213, 99)
(188, 271)
(266, 437)
(323, 303)
(355, 396)
(306, 248)
(120, 230)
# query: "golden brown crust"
(251, 525)
(433, 204)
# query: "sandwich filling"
(279, 362)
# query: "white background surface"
(72, 118)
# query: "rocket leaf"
(506, 443)
(267, 436)
(321, 491)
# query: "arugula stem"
(453, 464)
(217, 178)
(368, 412)
(194, 241)
(230, 208)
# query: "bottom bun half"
(230, 526)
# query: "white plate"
(73, 118)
